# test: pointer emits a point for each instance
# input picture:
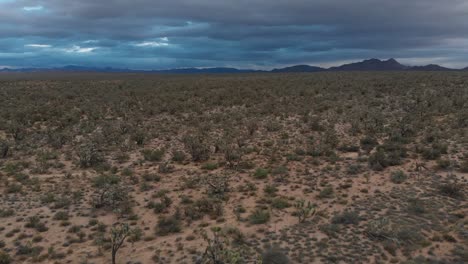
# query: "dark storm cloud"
(162, 34)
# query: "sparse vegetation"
(398, 177)
(259, 217)
(118, 236)
(279, 168)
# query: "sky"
(256, 34)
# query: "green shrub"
(378, 161)
(35, 222)
(165, 167)
(209, 166)
(368, 143)
(346, 218)
(280, 203)
(270, 190)
(354, 169)
(196, 146)
(4, 148)
(330, 230)
(389, 154)
(88, 155)
(161, 206)
(443, 164)
(274, 255)
(104, 180)
(153, 154)
(6, 212)
(416, 206)
(21, 177)
(453, 190)
(62, 215)
(139, 137)
(464, 166)
(273, 126)
(5, 258)
(435, 151)
(260, 173)
(178, 156)
(259, 217)
(293, 157)
(168, 225)
(151, 177)
(398, 177)
(14, 188)
(326, 192)
(280, 170)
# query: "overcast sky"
(154, 34)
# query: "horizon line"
(13, 68)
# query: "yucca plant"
(304, 210)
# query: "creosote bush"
(274, 255)
(197, 147)
(260, 173)
(398, 177)
(259, 216)
(5, 258)
(168, 225)
(153, 154)
(88, 155)
(346, 218)
(453, 190)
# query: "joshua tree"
(4, 148)
(304, 210)
(88, 155)
(218, 185)
(197, 147)
(118, 236)
(224, 247)
(419, 167)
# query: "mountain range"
(365, 65)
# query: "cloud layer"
(153, 34)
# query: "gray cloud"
(242, 32)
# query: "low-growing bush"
(280, 203)
(153, 154)
(346, 218)
(326, 192)
(259, 217)
(209, 166)
(61, 215)
(6, 212)
(35, 222)
(197, 147)
(260, 173)
(443, 164)
(4, 148)
(274, 255)
(88, 155)
(168, 225)
(464, 166)
(178, 156)
(398, 177)
(453, 190)
(5, 258)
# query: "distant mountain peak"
(430, 67)
(300, 68)
(372, 64)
